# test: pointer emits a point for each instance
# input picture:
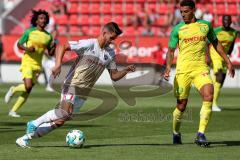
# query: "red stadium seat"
(219, 21)
(118, 20)
(220, 9)
(62, 20)
(84, 8)
(219, 1)
(107, 19)
(95, 8)
(151, 6)
(96, 20)
(106, 8)
(130, 1)
(85, 30)
(73, 20)
(209, 7)
(162, 9)
(118, 8)
(75, 30)
(232, 9)
(129, 8)
(162, 20)
(74, 1)
(73, 8)
(129, 31)
(234, 19)
(62, 29)
(83, 20)
(231, 1)
(95, 31)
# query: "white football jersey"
(87, 68)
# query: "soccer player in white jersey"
(94, 55)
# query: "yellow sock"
(177, 116)
(21, 100)
(217, 87)
(205, 115)
(19, 88)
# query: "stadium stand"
(87, 15)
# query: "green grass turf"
(137, 132)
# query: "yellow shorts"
(28, 72)
(184, 81)
(219, 65)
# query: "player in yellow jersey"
(191, 36)
(34, 42)
(227, 36)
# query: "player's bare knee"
(181, 104)
(59, 123)
(208, 97)
(28, 88)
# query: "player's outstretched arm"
(231, 47)
(51, 49)
(60, 50)
(117, 75)
(169, 59)
(219, 48)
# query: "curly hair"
(35, 15)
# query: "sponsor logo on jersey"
(195, 39)
(203, 29)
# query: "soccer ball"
(75, 138)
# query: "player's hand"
(231, 70)
(166, 74)
(56, 71)
(30, 49)
(130, 68)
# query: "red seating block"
(73, 8)
(84, 8)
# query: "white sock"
(44, 129)
(51, 116)
(26, 136)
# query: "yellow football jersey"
(40, 40)
(192, 41)
(226, 38)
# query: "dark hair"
(189, 3)
(227, 15)
(35, 15)
(113, 27)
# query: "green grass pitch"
(140, 132)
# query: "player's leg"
(218, 83)
(220, 70)
(47, 70)
(49, 121)
(70, 108)
(29, 78)
(182, 84)
(12, 90)
(204, 84)
(46, 123)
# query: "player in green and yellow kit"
(34, 42)
(226, 36)
(191, 37)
